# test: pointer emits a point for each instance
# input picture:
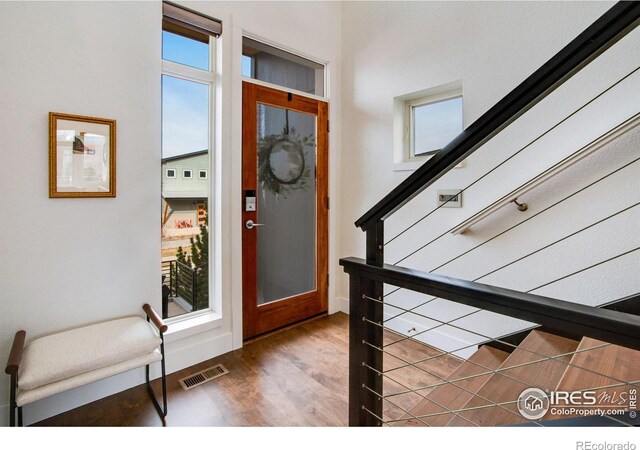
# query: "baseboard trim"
(4, 415)
(341, 304)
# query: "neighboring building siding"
(180, 187)
(185, 198)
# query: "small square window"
(425, 122)
(202, 174)
(433, 124)
(171, 173)
(187, 173)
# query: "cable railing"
(559, 317)
(187, 284)
(380, 394)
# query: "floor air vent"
(202, 377)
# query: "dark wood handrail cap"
(155, 318)
(15, 356)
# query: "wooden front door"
(285, 208)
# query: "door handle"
(250, 224)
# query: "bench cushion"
(25, 397)
(74, 352)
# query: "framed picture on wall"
(82, 156)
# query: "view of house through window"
(186, 139)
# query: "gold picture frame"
(82, 156)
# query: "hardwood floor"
(297, 377)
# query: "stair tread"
(411, 377)
(500, 388)
(607, 360)
(454, 396)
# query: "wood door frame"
(261, 319)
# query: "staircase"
(572, 358)
(492, 377)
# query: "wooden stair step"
(411, 377)
(454, 396)
(607, 360)
(544, 374)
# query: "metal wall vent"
(202, 377)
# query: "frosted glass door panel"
(286, 203)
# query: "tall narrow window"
(187, 99)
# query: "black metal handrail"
(553, 314)
(618, 21)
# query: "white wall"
(67, 262)
(392, 49)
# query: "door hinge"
(328, 127)
(327, 279)
(327, 202)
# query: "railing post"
(173, 272)
(194, 287)
(364, 405)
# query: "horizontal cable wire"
(570, 235)
(489, 338)
(412, 310)
(490, 371)
(553, 358)
(474, 394)
(409, 390)
(381, 397)
(450, 230)
(511, 402)
(516, 153)
(413, 391)
(524, 220)
(380, 419)
(624, 166)
(493, 404)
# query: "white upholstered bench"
(62, 361)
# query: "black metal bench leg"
(20, 416)
(162, 410)
(12, 401)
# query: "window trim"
(184, 171)
(275, 45)
(175, 173)
(206, 174)
(198, 321)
